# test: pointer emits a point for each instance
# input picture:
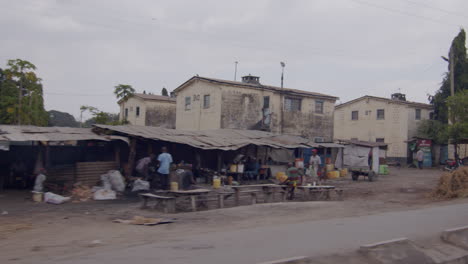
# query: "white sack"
(104, 194)
(117, 181)
(140, 185)
(55, 198)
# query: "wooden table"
(268, 191)
(307, 191)
(193, 194)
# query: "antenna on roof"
(235, 70)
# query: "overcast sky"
(345, 48)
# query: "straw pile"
(81, 192)
(452, 185)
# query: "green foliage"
(123, 91)
(433, 129)
(21, 95)
(458, 105)
(164, 92)
(460, 60)
(100, 117)
(61, 119)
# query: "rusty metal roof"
(223, 139)
(34, 133)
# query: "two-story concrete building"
(207, 103)
(149, 110)
(392, 121)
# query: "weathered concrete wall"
(131, 104)
(398, 125)
(242, 108)
(161, 116)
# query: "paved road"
(288, 240)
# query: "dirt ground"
(30, 231)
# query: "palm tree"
(123, 91)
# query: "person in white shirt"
(165, 160)
(420, 158)
(314, 165)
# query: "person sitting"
(294, 176)
(251, 169)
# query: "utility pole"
(235, 70)
(281, 97)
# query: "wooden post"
(47, 156)
(117, 153)
(193, 200)
(131, 157)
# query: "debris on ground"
(104, 194)
(141, 220)
(53, 198)
(452, 185)
(81, 192)
(95, 243)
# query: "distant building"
(149, 110)
(207, 103)
(392, 121)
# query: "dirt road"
(42, 232)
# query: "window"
(206, 101)
(266, 102)
(137, 111)
(126, 113)
(380, 140)
(319, 139)
(380, 114)
(292, 104)
(319, 107)
(418, 114)
(188, 103)
(354, 115)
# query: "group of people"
(156, 169)
(297, 176)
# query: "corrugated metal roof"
(223, 139)
(364, 143)
(259, 86)
(34, 133)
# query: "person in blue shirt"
(165, 160)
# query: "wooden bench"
(339, 194)
(253, 196)
(168, 203)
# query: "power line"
(436, 8)
(403, 12)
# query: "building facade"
(392, 121)
(149, 110)
(207, 103)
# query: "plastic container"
(233, 168)
(281, 176)
(240, 168)
(216, 183)
(330, 167)
(343, 172)
(299, 163)
(37, 196)
(333, 174)
(174, 186)
(383, 169)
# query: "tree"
(458, 128)
(164, 92)
(100, 117)
(123, 91)
(61, 119)
(457, 56)
(28, 108)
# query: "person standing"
(315, 164)
(165, 160)
(420, 158)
